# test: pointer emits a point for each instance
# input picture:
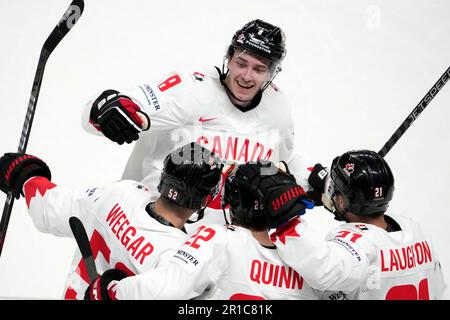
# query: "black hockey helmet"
(364, 179)
(249, 190)
(260, 38)
(190, 174)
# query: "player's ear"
(339, 201)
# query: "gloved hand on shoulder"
(103, 288)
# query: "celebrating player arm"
(122, 115)
(118, 117)
(49, 206)
(206, 264)
(193, 268)
(372, 255)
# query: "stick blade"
(80, 236)
(84, 245)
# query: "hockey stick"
(415, 113)
(70, 17)
(84, 245)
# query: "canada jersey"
(365, 261)
(219, 262)
(121, 232)
(186, 107)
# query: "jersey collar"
(150, 208)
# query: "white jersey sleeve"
(122, 232)
(195, 267)
(164, 107)
(50, 206)
(338, 264)
(365, 261)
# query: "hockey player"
(236, 262)
(371, 256)
(235, 111)
(127, 231)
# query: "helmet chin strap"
(225, 216)
(200, 213)
(275, 73)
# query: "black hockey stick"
(85, 246)
(70, 17)
(415, 113)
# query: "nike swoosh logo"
(201, 119)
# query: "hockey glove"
(17, 168)
(283, 198)
(317, 180)
(118, 117)
(102, 288)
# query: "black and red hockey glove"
(317, 180)
(102, 288)
(17, 168)
(283, 198)
(118, 117)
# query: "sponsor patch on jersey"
(150, 96)
(186, 260)
(198, 76)
(349, 248)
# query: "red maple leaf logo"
(287, 230)
(38, 183)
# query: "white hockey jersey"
(186, 107)
(364, 261)
(122, 233)
(219, 262)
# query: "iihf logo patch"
(142, 187)
(349, 168)
(362, 227)
(198, 76)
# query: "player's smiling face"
(247, 74)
